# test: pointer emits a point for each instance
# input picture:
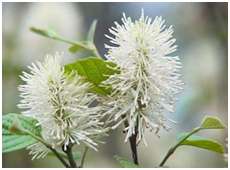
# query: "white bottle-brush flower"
(149, 79)
(61, 104)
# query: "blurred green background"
(201, 32)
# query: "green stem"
(90, 47)
(72, 42)
(83, 157)
(59, 157)
(172, 149)
(69, 154)
(93, 48)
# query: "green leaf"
(94, 70)
(75, 45)
(200, 142)
(47, 33)
(125, 163)
(91, 33)
(90, 40)
(13, 136)
(16, 142)
(211, 122)
(89, 43)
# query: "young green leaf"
(208, 122)
(93, 70)
(200, 142)
(91, 33)
(47, 33)
(75, 45)
(125, 163)
(88, 44)
(13, 132)
(90, 39)
(211, 122)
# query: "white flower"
(61, 104)
(149, 80)
(38, 150)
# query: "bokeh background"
(201, 32)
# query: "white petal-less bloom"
(61, 104)
(149, 81)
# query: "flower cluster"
(143, 91)
(146, 88)
(61, 104)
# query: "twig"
(91, 48)
(172, 149)
(133, 143)
(59, 157)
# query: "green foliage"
(125, 163)
(91, 33)
(93, 70)
(89, 43)
(75, 45)
(47, 33)
(16, 142)
(210, 122)
(200, 142)
(14, 128)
